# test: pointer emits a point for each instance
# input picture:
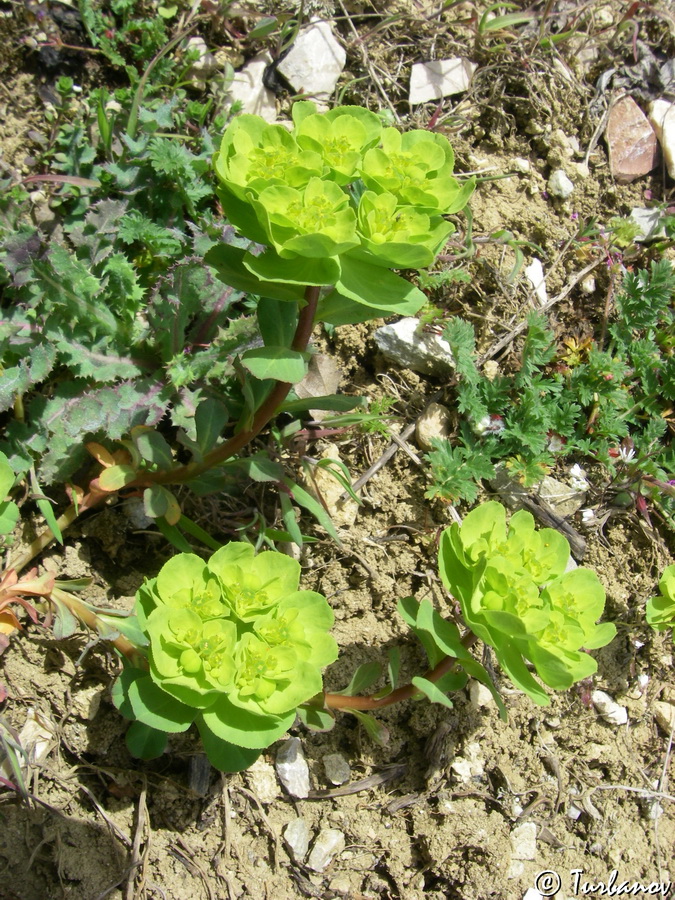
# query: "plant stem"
(265, 412)
(88, 617)
(447, 664)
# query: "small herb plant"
(585, 400)
(661, 609)
(232, 645)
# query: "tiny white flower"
(587, 516)
(489, 425)
(626, 454)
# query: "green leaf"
(376, 730)
(114, 478)
(430, 690)
(145, 742)
(9, 516)
(378, 288)
(173, 535)
(7, 476)
(243, 727)
(153, 706)
(152, 447)
(210, 421)
(197, 532)
(228, 263)
(65, 623)
(278, 363)
(300, 270)
(304, 498)
(336, 402)
(265, 26)
(315, 718)
(277, 322)
(224, 756)
(289, 520)
(362, 679)
(394, 667)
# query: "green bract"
(233, 645)
(661, 609)
(336, 200)
(517, 596)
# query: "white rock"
(247, 87)
(263, 781)
(662, 117)
(329, 842)
(588, 285)
(535, 275)
(515, 869)
(296, 835)
(338, 770)
(649, 221)
(532, 894)
(341, 885)
(609, 709)
(469, 766)
(480, 695)
(560, 185)
(314, 62)
(524, 841)
(440, 78)
(564, 499)
(204, 66)
(292, 768)
(86, 702)
(664, 713)
(435, 422)
(520, 164)
(414, 349)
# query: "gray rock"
(405, 344)
(649, 221)
(338, 770)
(292, 768)
(315, 61)
(296, 835)
(560, 185)
(562, 498)
(262, 781)
(329, 842)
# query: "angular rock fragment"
(662, 117)
(292, 768)
(315, 61)
(631, 141)
(406, 344)
(440, 78)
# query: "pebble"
(292, 768)
(435, 422)
(649, 221)
(664, 713)
(469, 766)
(565, 500)
(535, 275)
(248, 89)
(662, 117)
(588, 285)
(328, 491)
(609, 709)
(204, 66)
(631, 141)
(314, 62)
(440, 78)
(262, 781)
(524, 841)
(405, 344)
(480, 695)
(560, 185)
(338, 770)
(520, 164)
(329, 842)
(296, 835)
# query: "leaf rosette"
(517, 596)
(340, 136)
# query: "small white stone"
(649, 221)
(609, 709)
(338, 770)
(515, 869)
(86, 702)
(480, 695)
(535, 275)
(588, 285)
(524, 841)
(469, 766)
(329, 842)
(263, 781)
(564, 499)
(315, 61)
(435, 422)
(520, 164)
(296, 835)
(662, 117)
(292, 768)
(204, 66)
(532, 894)
(440, 78)
(406, 344)
(560, 185)
(247, 87)
(462, 769)
(664, 713)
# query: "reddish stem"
(447, 664)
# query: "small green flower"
(190, 658)
(340, 138)
(185, 582)
(301, 621)
(399, 236)
(254, 154)
(316, 221)
(417, 168)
